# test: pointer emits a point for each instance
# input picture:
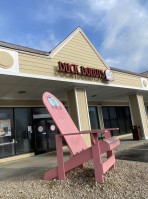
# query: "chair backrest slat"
(64, 123)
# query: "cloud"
(102, 4)
(48, 42)
(113, 61)
(45, 42)
(69, 1)
(125, 43)
(118, 29)
(122, 24)
(124, 29)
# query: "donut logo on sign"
(109, 75)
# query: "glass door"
(40, 135)
(52, 130)
(45, 131)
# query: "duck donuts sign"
(85, 71)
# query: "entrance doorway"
(45, 131)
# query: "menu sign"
(5, 127)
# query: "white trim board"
(87, 109)
(77, 107)
(70, 80)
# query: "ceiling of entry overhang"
(24, 88)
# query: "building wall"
(126, 79)
(77, 51)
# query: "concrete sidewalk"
(127, 142)
(10, 170)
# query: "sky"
(117, 29)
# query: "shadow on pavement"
(139, 154)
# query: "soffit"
(10, 86)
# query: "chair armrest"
(89, 132)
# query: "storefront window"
(147, 111)
(94, 121)
(106, 118)
(128, 120)
(23, 130)
(6, 132)
(40, 112)
(113, 119)
(117, 117)
(121, 119)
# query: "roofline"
(64, 39)
(45, 53)
(23, 48)
(54, 51)
(145, 73)
(126, 71)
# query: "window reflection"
(6, 132)
(117, 117)
(94, 121)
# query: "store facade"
(95, 95)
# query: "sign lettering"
(86, 71)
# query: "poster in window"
(5, 127)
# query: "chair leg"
(98, 173)
(60, 159)
(109, 154)
(81, 166)
(98, 166)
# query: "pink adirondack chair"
(80, 153)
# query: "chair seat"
(109, 144)
(112, 142)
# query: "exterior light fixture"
(93, 95)
(22, 92)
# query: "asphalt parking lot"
(139, 153)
